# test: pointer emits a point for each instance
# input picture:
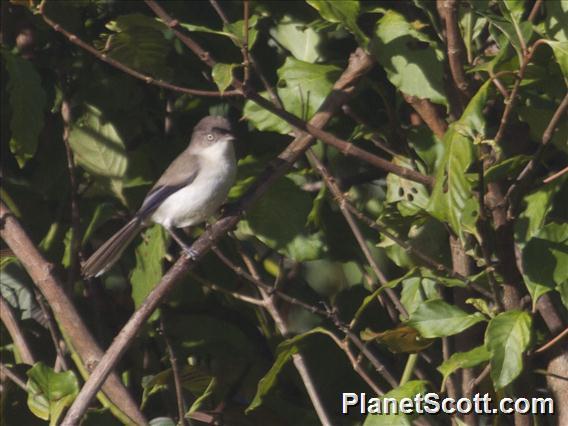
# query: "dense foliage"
(433, 258)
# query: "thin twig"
(119, 65)
(10, 321)
(245, 47)
(516, 189)
(175, 372)
(552, 341)
(555, 175)
(53, 330)
(456, 49)
(236, 295)
(13, 377)
(330, 182)
(475, 383)
(534, 10)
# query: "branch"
(130, 71)
(13, 377)
(345, 147)
(516, 190)
(65, 313)
(555, 175)
(429, 113)
(359, 65)
(175, 372)
(10, 321)
(552, 341)
(456, 49)
(330, 182)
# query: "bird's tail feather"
(107, 254)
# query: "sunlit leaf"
(413, 62)
(467, 359)
(300, 39)
(50, 393)
(436, 318)
(507, 337)
(408, 390)
(223, 75)
(342, 12)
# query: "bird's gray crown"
(213, 123)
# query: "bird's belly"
(196, 202)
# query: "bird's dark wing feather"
(181, 173)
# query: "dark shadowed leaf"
(342, 12)
(27, 100)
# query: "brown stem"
(175, 372)
(244, 47)
(456, 49)
(359, 65)
(10, 321)
(65, 313)
(330, 182)
(429, 113)
(534, 10)
(53, 330)
(130, 71)
(552, 341)
(13, 377)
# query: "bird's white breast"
(198, 201)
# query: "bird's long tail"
(107, 254)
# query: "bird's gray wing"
(181, 173)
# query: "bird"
(189, 192)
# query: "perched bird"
(191, 189)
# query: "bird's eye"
(210, 137)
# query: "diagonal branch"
(64, 311)
(359, 65)
(130, 71)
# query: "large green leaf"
(467, 359)
(343, 12)
(148, 270)
(415, 291)
(139, 42)
(99, 148)
(453, 200)
(410, 197)
(27, 99)
(278, 219)
(436, 318)
(408, 390)
(412, 61)
(50, 393)
(507, 337)
(285, 351)
(223, 75)
(302, 87)
(299, 38)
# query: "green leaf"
(556, 20)
(415, 291)
(545, 259)
(298, 38)
(162, 421)
(507, 168)
(27, 99)
(223, 75)
(236, 31)
(50, 393)
(412, 61)
(453, 200)
(467, 359)
(148, 270)
(209, 391)
(302, 87)
(342, 12)
(139, 42)
(410, 197)
(285, 351)
(97, 145)
(409, 390)
(436, 318)
(278, 219)
(99, 148)
(560, 49)
(511, 30)
(507, 337)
